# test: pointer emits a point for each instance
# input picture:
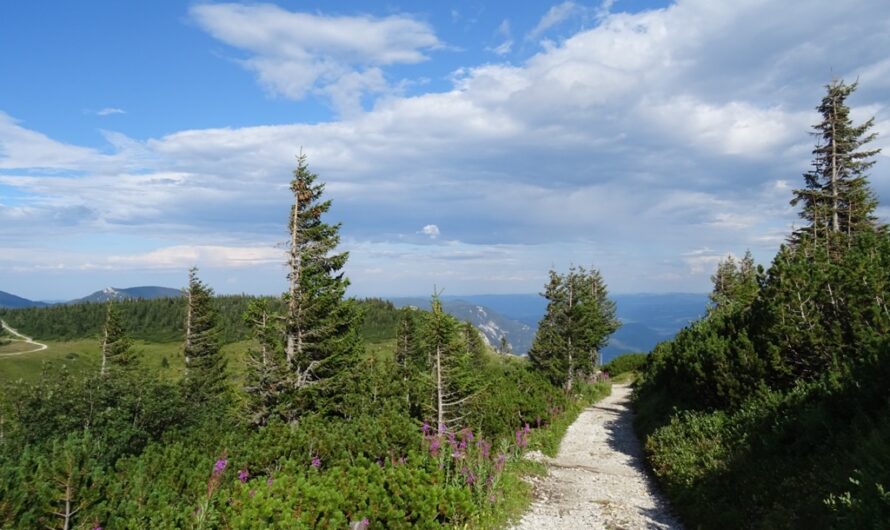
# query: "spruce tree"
(736, 284)
(265, 381)
(549, 353)
(451, 391)
(836, 198)
(320, 327)
(594, 313)
(579, 319)
(205, 368)
(116, 348)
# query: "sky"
(470, 146)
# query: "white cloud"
(627, 146)
(108, 111)
(553, 17)
(430, 230)
(504, 33)
(296, 53)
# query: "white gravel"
(597, 480)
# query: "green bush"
(626, 362)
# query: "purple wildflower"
(363, 524)
(484, 447)
(441, 428)
(316, 462)
(499, 464)
(220, 466)
(426, 427)
(434, 447)
(269, 481)
(527, 428)
(243, 475)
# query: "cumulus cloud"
(296, 53)
(630, 146)
(430, 230)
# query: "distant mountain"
(647, 319)
(12, 301)
(491, 323)
(526, 308)
(144, 293)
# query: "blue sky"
(468, 145)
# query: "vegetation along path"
(598, 480)
(21, 338)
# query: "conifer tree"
(205, 369)
(265, 368)
(735, 283)
(595, 316)
(320, 327)
(549, 353)
(449, 373)
(578, 321)
(836, 198)
(116, 345)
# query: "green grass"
(625, 378)
(15, 346)
(82, 355)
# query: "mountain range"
(647, 319)
(11, 301)
(491, 323)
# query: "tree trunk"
(294, 338)
(439, 407)
(188, 325)
(835, 224)
(102, 371)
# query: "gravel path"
(27, 340)
(597, 480)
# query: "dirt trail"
(22, 338)
(598, 480)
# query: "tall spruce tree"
(117, 351)
(836, 198)
(320, 327)
(205, 369)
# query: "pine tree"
(836, 197)
(205, 369)
(116, 345)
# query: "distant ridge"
(491, 323)
(147, 292)
(12, 301)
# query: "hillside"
(12, 301)
(491, 323)
(148, 292)
(647, 318)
